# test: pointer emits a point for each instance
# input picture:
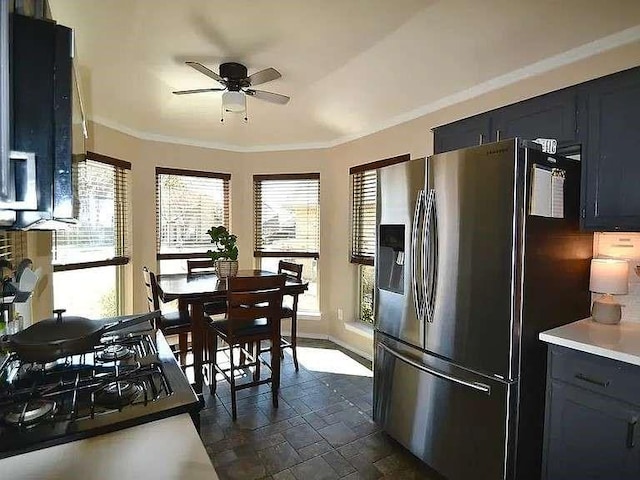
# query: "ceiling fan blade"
(269, 96)
(263, 76)
(209, 73)
(198, 90)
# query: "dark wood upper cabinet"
(463, 134)
(548, 116)
(612, 153)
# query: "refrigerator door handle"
(430, 255)
(418, 299)
(481, 387)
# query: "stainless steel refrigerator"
(478, 250)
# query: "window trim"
(118, 260)
(183, 172)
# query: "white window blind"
(101, 235)
(363, 216)
(287, 215)
(188, 203)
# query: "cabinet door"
(548, 116)
(463, 134)
(590, 436)
(612, 196)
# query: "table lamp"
(609, 276)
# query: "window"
(88, 256)
(287, 226)
(188, 203)
(363, 235)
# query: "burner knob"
(58, 312)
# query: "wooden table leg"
(197, 343)
(276, 349)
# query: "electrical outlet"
(340, 314)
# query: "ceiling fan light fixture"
(233, 102)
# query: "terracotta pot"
(227, 268)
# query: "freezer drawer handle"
(593, 381)
(475, 385)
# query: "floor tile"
(321, 430)
(337, 434)
(314, 469)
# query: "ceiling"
(351, 67)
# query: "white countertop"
(167, 449)
(618, 342)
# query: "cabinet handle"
(481, 139)
(584, 378)
(631, 433)
(497, 135)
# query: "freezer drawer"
(456, 421)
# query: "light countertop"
(618, 342)
(167, 449)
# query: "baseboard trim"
(357, 351)
(337, 341)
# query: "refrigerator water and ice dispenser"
(391, 258)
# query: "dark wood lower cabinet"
(589, 432)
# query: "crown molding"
(582, 52)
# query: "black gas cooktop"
(132, 377)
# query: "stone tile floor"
(322, 429)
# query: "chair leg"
(234, 412)
(182, 345)
(275, 368)
(256, 355)
(213, 349)
(294, 341)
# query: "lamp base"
(605, 310)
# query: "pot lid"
(57, 330)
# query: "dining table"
(196, 289)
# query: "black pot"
(53, 338)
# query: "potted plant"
(225, 251)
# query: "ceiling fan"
(233, 76)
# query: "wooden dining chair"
(170, 323)
(195, 266)
(294, 272)
(253, 315)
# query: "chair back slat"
(151, 287)
(290, 269)
(200, 265)
(253, 298)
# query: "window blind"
(101, 235)
(5, 247)
(287, 215)
(188, 203)
(363, 216)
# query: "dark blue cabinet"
(592, 416)
(463, 134)
(612, 153)
(40, 117)
(549, 116)
(600, 119)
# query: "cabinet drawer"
(598, 374)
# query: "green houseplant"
(224, 252)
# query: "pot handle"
(129, 322)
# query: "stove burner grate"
(118, 394)
(115, 352)
(30, 412)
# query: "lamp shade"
(609, 275)
(233, 102)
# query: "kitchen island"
(165, 449)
